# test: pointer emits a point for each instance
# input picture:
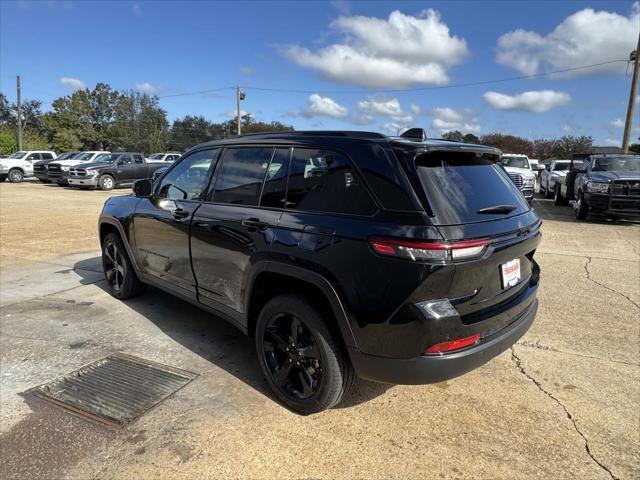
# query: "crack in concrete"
(540, 346)
(588, 273)
(518, 362)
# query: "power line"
(201, 92)
(437, 87)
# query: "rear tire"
(106, 182)
(16, 175)
(122, 281)
(547, 192)
(582, 209)
(302, 359)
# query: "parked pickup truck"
(41, 167)
(606, 184)
(110, 171)
(19, 165)
(58, 170)
(520, 172)
(551, 173)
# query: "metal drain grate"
(116, 389)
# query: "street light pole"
(632, 98)
(238, 109)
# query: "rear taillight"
(416, 250)
(454, 344)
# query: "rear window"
(464, 187)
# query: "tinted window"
(187, 180)
(241, 175)
(275, 185)
(138, 158)
(324, 181)
(124, 160)
(459, 185)
(48, 156)
(33, 156)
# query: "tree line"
(104, 118)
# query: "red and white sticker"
(510, 273)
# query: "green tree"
(140, 124)
(508, 143)
(8, 140)
(635, 148)
(189, 131)
(455, 136)
(570, 144)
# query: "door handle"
(255, 223)
(179, 213)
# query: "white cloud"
(396, 52)
(136, 9)
(447, 119)
(415, 109)
(536, 101)
(246, 70)
(583, 38)
(232, 114)
(393, 127)
(342, 6)
(147, 87)
(363, 119)
(324, 107)
(566, 128)
(386, 107)
(72, 83)
(617, 123)
(613, 142)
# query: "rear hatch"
(469, 197)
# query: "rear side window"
(138, 158)
(324, 181)
(241, 174)
(46, 156)
(275, 185)
(462, 187)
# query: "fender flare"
(125, 240)
(314, 279)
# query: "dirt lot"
(563, 403)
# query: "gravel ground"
(564, 402)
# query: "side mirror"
(143, 188)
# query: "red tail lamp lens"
(454, 344)
(417, 250)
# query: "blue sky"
(325, 48)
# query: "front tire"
(582, 209)
(16, 175)
(122, 281)
(557, 197)
(302, 359)
(548, 193)
(106, 182)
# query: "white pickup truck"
(519, 169)
(549, 176)
(19, 165)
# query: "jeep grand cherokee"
(343, 254)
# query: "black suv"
(344, 254)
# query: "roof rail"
(321, 133)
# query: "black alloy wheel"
(292, 356)
(122, 280)
(114, 267)
(302, 354)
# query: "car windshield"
(84, 156)
(106, 158)
(156, 156)
(562, 166)
(630, 163)
(17, 155)
(516, 162)
(464, 187)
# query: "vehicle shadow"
(212, 338)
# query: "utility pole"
(19, 112)
(240, 95)
(633, 57)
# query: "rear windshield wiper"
(497, 209)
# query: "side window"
(324, 181)
(138, 159)
(586, 164)
(241, 175)
(275, 184)
(124, 160)
(33, 156)
(46, 156)
(187, 180)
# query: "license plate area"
(510, 273)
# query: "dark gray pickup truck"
(116, 169)
(605, 184)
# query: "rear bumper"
(432, 369)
